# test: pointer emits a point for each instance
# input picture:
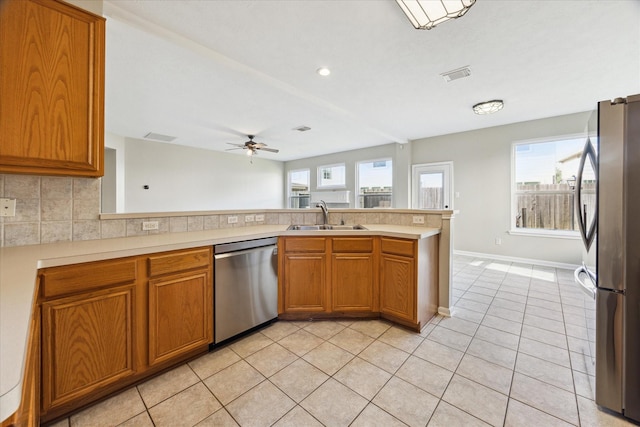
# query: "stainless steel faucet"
(325, 212)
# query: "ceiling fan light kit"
(426, 14)
(488, 107)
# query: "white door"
(432, 186)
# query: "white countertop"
(19, 266)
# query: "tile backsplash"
(62, 209)
(50, 209)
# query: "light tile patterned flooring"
(517, 352)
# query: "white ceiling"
(210, 72)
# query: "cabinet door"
(305, 282)
(398, 286)
(51, 89)
(352, 282)
(87, 343)
(180, 315)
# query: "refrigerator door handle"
(587, 229)
(587, 288)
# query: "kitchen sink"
(319, 227)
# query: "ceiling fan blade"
(271, 150)
(236, 145)
(231, 149)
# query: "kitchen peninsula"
(19, 268)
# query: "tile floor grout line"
(531, 304)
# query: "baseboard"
(516, 259)
(445, 312)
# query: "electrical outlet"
(249, 218)
(7, 207)
(418, 219)
(232, 219)
(149, 225)
(259, 218)
(498, 241)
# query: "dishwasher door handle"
(237, 253)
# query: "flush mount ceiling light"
(426, 14)
(323, 71)
(488, 107)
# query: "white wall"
(93, 6)
(482, 176)
(189, 179)
(398, 153)
(113, 182)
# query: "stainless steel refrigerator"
(611, 235)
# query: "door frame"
(446, 168)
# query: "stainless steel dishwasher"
(245, 286)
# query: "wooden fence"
(432, 198)
(551, 206)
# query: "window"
(375, 183)
(331, 176)
(543, 180)
(298, 183)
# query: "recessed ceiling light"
(323, 71)
(302, 128)
(488, 107)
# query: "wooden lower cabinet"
(108, 324)
(305, 277)
(352, 282)
(180, 315)
(328, 276)
(409, 280)
(88, 343)
(397, 286)
(353, 275)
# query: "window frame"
(289, 195)
(319, 176)
(357, 180)
(513, 206)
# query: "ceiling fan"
(252, 147)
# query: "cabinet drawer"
(174, 262)
(397, 246)
(304, 244)
(353, 244)
(58, 281)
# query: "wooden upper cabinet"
(51, 89)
